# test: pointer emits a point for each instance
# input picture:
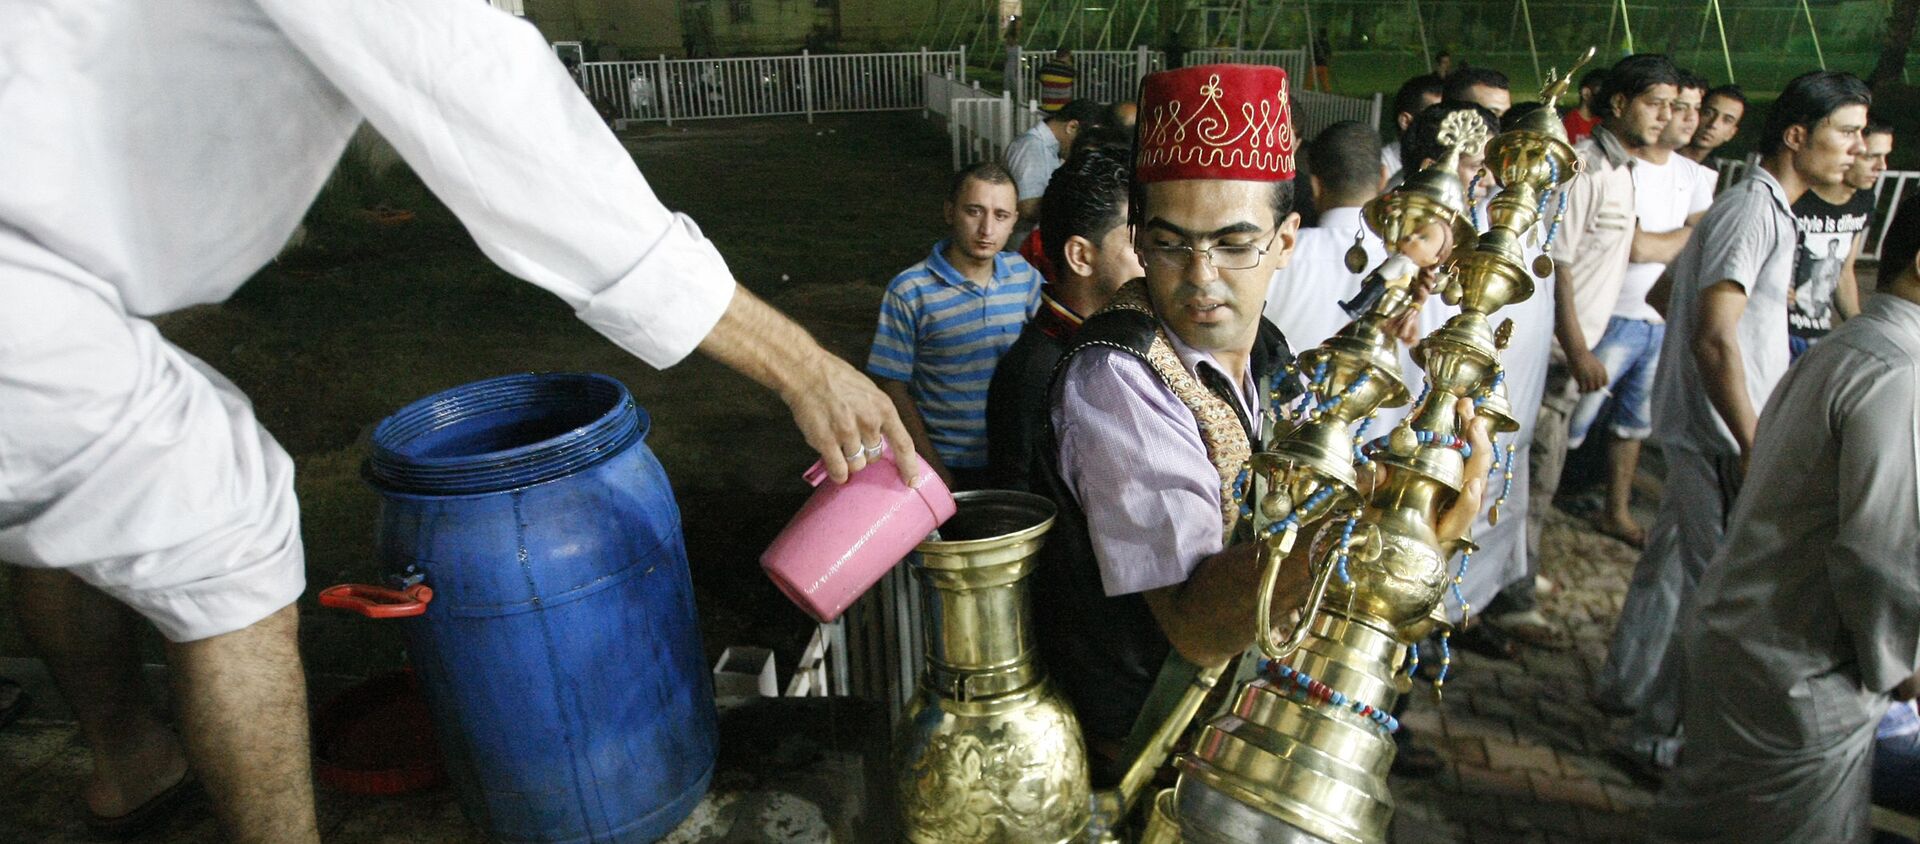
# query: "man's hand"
(1457, 522)
(842, 414)
(1588, 371)
(845, 417)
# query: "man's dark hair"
(1694, 81)
(1084, 198)
(1460, 83)
(1809, 99)
(1593, 79)
(990, 172)
(1729, 91)
(1901, 242)
(1410, 98)
(1422, 138)
(1876, 126)
(1088, 112)
(1632, 76)
(1101, 135)
(1345, 157)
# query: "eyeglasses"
(1223, 256)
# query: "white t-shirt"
(1390, 157)
(1304, 297)
(1664, 196)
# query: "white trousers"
(136, 466)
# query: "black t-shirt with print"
(1826, 238)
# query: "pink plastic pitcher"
(849, 535)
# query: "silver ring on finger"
(853, 454)
(874, 450)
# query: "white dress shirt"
(160, 153)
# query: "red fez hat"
(1215, 121)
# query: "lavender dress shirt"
(1131, 454)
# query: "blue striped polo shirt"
(942, 335)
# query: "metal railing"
(1293, 61)
(941, 89)
(1892, 186)
(981, 128)
(689, 89)
(1314, 111)
(1104, 76)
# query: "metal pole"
(806, 81)
(963, 62)
(1026, 38)
(1420, 23)
(1307, 7)
(1271, 20)
(1527, 13)
(1132, 37)
(1725, 51)
(1815, 33)
(1626, 25)
(666, 91)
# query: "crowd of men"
(1672, 311)
(1772, 623)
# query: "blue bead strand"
(1553, 229)
(1346, 543)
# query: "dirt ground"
(362, 319)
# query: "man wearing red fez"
(1159, 402)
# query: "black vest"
(1105, 652)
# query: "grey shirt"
(1747, 237)
(1811, 612)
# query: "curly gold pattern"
(1261, 139)
(987, 779)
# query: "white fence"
(1104, 76)
(1892, 186)
(687, 89)
(1314, 111)
(981, 128)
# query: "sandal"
(147, 815)
(13, 701)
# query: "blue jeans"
(1630, 350)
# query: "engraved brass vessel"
(989, 750)
(1303, 753)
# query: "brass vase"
(989, 750)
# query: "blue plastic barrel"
(560, 652)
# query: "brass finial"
(1557, 86)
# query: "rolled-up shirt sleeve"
(1131, 454)
(474, 100)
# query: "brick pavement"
(1526, 752)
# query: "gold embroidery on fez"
(1219, 140)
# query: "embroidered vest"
(1106, 651)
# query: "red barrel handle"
(377, 601)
